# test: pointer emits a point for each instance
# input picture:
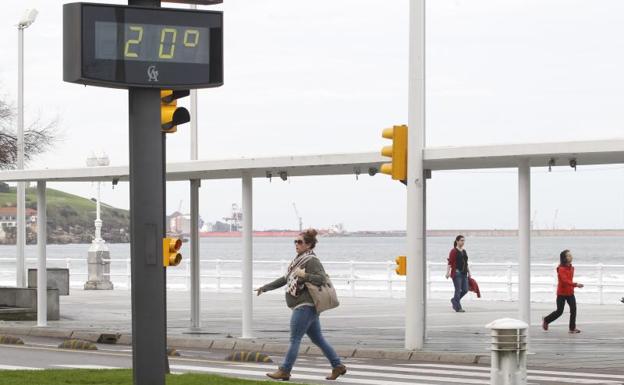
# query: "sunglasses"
(298, 242)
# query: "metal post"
(147, 213)
(195, 264)
(146, 228)
(247, 276)
(20, 265)
(42, 272)
(415, 291)
(524, 238)
(195, 184)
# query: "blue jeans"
(305, 320)
(460, 281)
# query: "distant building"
(8, 222)
(178, 223)
(8, 216)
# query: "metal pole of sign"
(20, 269)
(194, 185)
(146, 229)
(149, 332)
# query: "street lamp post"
(99, 255)
(20, 269)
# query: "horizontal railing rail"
(347, 274)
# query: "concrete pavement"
(360, 327)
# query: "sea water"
(364, 266)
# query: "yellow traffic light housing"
(170, 114)
(401, 262)
(397, 152)
(171, 248)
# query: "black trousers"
(561, 300)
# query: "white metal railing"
(498, 277)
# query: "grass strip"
(108, 377)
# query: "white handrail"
(351, 272)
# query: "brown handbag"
(324, 296)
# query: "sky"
(327, 76)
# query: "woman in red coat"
(565, 292)
(457, 268)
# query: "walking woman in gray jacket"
(305, 267)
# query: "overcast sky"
(324, 76)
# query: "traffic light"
(171, 248)
(401, 262)
(170, 114)
(398, 153)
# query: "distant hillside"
(70, 217)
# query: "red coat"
(452, 261)
(473, 286)
(565, 275)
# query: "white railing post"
(128, 273)
(389, 272)
(188, 274)
(428, 279)
(600, 284)
(509, 283)
(352, 279)
(555, 279)
(218, 273)
(68, 263)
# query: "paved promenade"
(374, 326)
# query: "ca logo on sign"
(152, 73)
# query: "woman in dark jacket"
(565, 292)
(305, 267)
(458, 270)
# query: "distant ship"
(179, 225)
(236, 234)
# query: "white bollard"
(509, 344)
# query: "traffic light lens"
(387, 151)
(386, 168)
(174, 244)
(175, 260)
(181, 116)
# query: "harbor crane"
(298, 217)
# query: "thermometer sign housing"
(126, 46)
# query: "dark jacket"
(315, 273)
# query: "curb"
(230, 344)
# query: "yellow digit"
(191, 32)
(134, 28)
(163, 35)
